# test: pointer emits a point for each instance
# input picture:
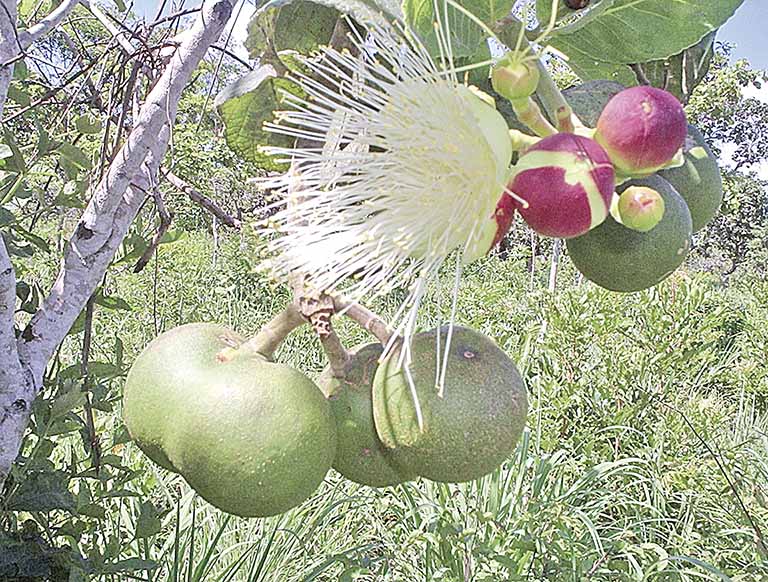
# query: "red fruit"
(567, 181)
(642, 128)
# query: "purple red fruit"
(567, 182)
(642, 128)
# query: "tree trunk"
(104, 224)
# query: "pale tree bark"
(13, 42)
(99, 233)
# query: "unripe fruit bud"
(642, 128)
(640, 208)
(567, 181)
(513, 79)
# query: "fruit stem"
(269, 338)
(529, 113)
(554, 102)
(337, 355)
(367, 319)
(521, 141)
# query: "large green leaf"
(638, 31)
(364, 11)
(43, 491)
(301, 26)
(245, 106)
(467, 38)
(680, 74)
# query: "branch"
(47, 24)
(124, 43)
(9, 47)
(269, 338)
(367, 319)
(201, 199)
(15, 386)
(90, 245)
(165, 223)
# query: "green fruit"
(621, 259)
(360, 455)
(640, 208)
(698, 180)
(252, 437)
(589, 99)
(471, 427)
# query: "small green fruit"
(698, 180)
(640, 208)
(252, 437)
(513, 79)
(471, 426)
(360, 455)
(621, 259)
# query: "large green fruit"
(698, 180)
(360, 455)
(252, 437)
(621, 259)
(469, 429)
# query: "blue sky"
(747, 30)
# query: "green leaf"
(75, 156)
(111, 301)
(120, 5)
(88, 124)
(244, 106)
(363, 11)
(128, 565)
(43, 491)
(466, 36)
(19, 95)
(63, 403)
(148, 522)
(637, 31)
(680, 74)
(301, 26)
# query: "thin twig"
(640, 75)
(367, 319)
(90, 425)
(201, 199)
(165, 223)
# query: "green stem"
(522, 141)
(554, 103)
(529, 113)
(269, 338)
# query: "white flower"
(398, 165)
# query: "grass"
(646, 412)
